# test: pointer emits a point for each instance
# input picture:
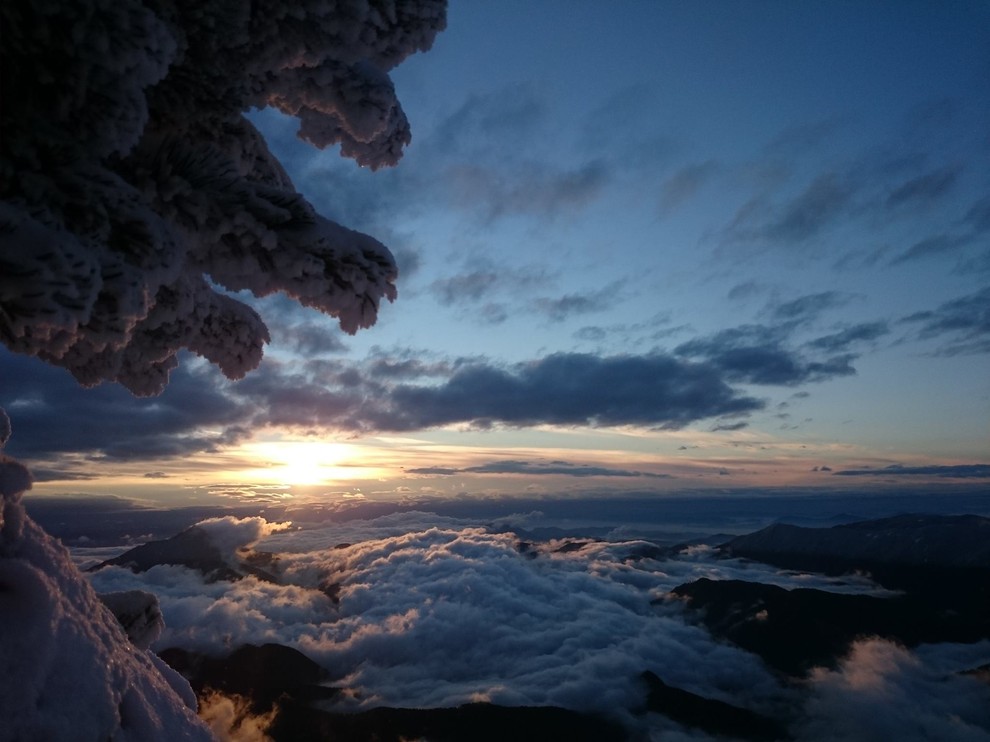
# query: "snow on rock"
(139, 613)
(132, 186)
(67, 669)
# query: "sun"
(300, 462)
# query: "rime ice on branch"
(131, 184)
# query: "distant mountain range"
(903, 540)
(940, 566)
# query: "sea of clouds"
(415, 609)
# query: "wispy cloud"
(533, 189)
(202, 412)
(684, 184)
(920, 191)
(564, 307)
(841, 342)
(934, 246)
(810, 306)
(964, 323)
(957, 471)
(822, 203)
(515, 466)
(487, 286)
(757, 354)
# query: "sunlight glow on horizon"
(302, 462)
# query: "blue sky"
(643, 246)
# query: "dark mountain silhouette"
(932, 541)
(262, 674)
(939, 559)
(190, 548)
(794, 630)
(270, 674)
(710, 715)
(479, 722)
(940, 566)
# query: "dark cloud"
(591, 333)
(405, 368)
(799, 218)
(370, 201)
(934, 246)
(978, 216)
(623, 130)
(810, 306)
(482, 160)
(282, 397)
(466, 287)
(756, 354)
(923, 189)
(52, 414)
(730, 426)
(493, 313)
(965, 321)
(840, 342)
(891, 181)
(314, 338)
(958, 471)
(481, 283)
(399, 391)
(531, 188)
(685, 183)
(817, 207)
(745, 290)
(513, 112)
(799, 139)
(408, 262)
(46, 474)
(565, 307)
(564, 468)
(620, 335)
(202, 412)
(567, 389)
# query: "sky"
(644, 248)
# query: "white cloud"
(230, 719)
(882, 691)
(438, 611)
(230, 533)
(441, 615)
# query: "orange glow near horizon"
(465, 463)
(302, 462)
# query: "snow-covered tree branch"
(132, 192)
(132, 185)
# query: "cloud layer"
(412, 609)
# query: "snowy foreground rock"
(67, 668)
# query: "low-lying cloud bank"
(416, 610)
